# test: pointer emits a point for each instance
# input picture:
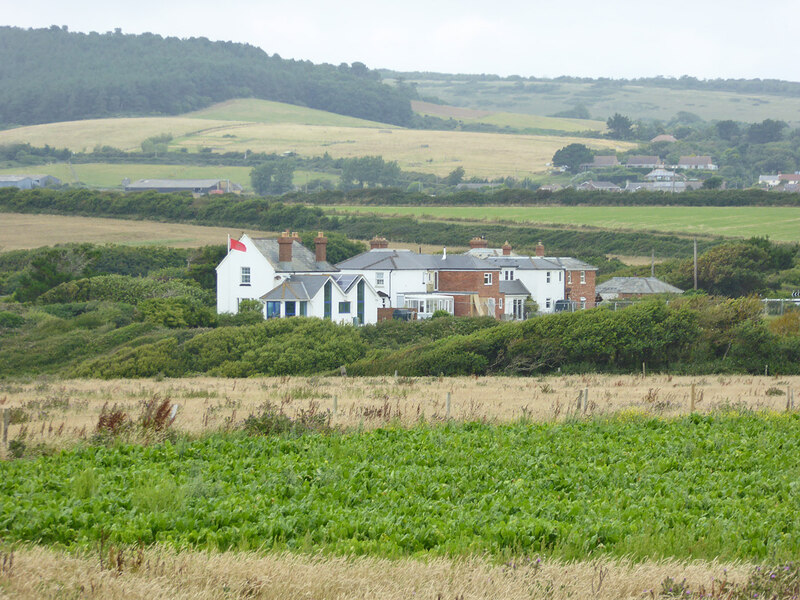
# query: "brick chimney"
(321, 247)
(506, 249)
(285, 247)
(296, 237)
(478, 242)
(378, 242)
(540, 249)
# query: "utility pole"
(695, 263)
(653, 263)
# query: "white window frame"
(583, 276)
(548, 277)
(547, 303)
(380, 278)
(583, 302)
(244, 274)
(500, 303)
(569, 277)
(487, 279)
(559, 276)
(508, 275)
(436, 281)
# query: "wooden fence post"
(691, 406)
(335, 405)
(6, 420)
(585, 400)
(580, 400)
(448, 405)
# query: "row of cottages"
(290, 280)
(702, 163)
(28, 182)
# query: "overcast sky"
(611, 38)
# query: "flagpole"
(229, 243)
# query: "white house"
(291, 281)
(337, 297)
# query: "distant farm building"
(622, 288)
(28, 182)
(602, 162)
(195, 186)
(664, 137)
(644, 162)
(599, 186)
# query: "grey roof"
(599, 185)
(189, 184)
(695, 160)
(571, 264)
(644, 160)
(297, 287)
(385, 259)
(514, 288)
(346, 281)
(525, 263)
(636, 285)
(604, 160)
(14, 178)
(303, 260)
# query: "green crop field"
(635, 101)
(779, 223)
(110, 175)
(721, 486)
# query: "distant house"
(599, 186)
(644, 162)
(662, 175)
(27, 182)
(789, 177)
(703, 163)
(769, 180)
(601, 162)
(670, 187)
(195, 186)
(664, 137)
(621, 288)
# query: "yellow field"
(271, 127)
(159, 573)
(125, 134)
(20, 232)
(63, 412)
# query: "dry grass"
(60, 413)
(437, 152)
(20, 232)
(159, 573)
(125, 134)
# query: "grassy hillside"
(506, 119)
(779, 223)
(635, 101)
(273, 127)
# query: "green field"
(602, 101)
(722, 486)
(110, 176)
(779, 223)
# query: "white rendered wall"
(229, 288)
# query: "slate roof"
(14, 178)
(524, 263)
(385, 259)
(604, 161)
(514, 288)
(599, 185)
(187, 184)
(571, 264)
(297, 287)
(695, 161)
(636, 285)
(303, 259)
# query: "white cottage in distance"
(290, 281)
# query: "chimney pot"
(378, 242)
(478, 242)
(506, 249)
(285, 247)
(321, 247)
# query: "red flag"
(236, 245)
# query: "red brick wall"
(576, 289)
(470, 281)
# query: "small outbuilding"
(625, 288)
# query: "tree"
(455, 177)
(727, 130)
(272, 177)
(572, 157)
(735, 269)
(768, 130)
(713, 183)
(621, 127)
